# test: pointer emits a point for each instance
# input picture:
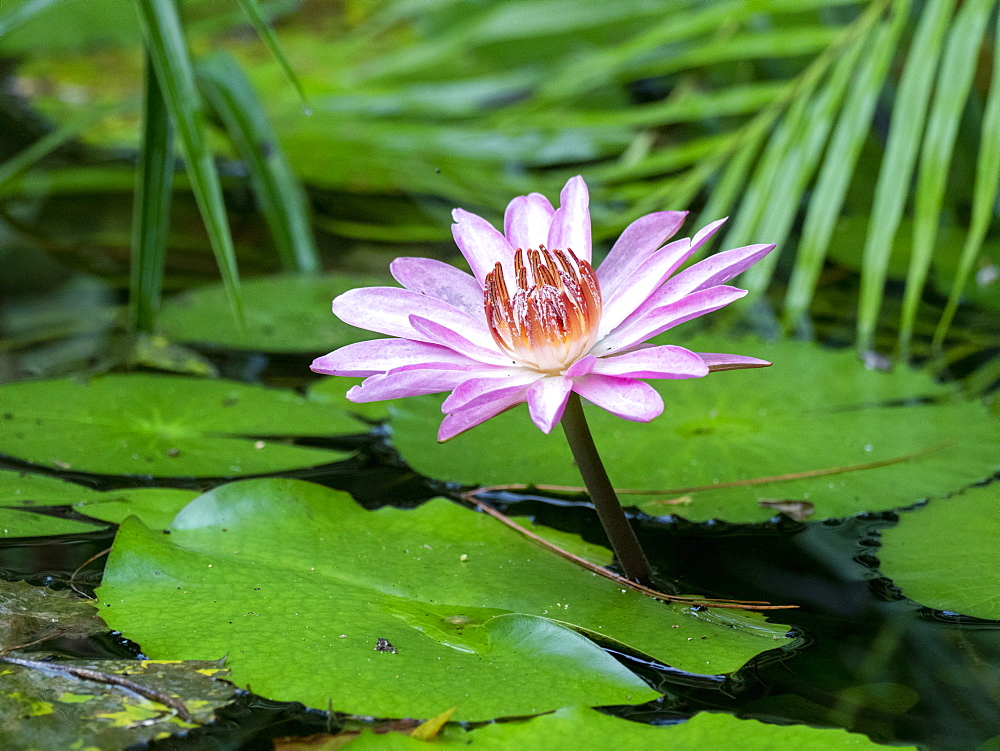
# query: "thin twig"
(107, 678)
(72, 577)
(731, 484)
(470, 496)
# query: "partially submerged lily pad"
(47, 709)
(583, 728)
(822, 428)
(164, 426)
(283, 314)
(29, 614)
(262, 568)
(944, 555)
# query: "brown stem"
(602, 494)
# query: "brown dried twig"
(470, 496)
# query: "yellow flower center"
(552, 318)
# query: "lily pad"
(944, 555)
(46, 709)
(827, 431)
(23, 523)
(584, 728)
(283, 314)
(23, 491)
(305, 591)
(164, 426)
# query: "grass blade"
(838, 166)
(151, 209)
(266, 33)
(168, 52)
(21, 14)
(954, 81)
(798, 164)
(908, 115)
(27, 158)
(278, 191)
(984, 195)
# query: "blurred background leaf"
(793, 116)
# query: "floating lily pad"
(164, 426)
(944, 555)
(583, 728)
(18, 523)
(829, 432)
(283, 314)
(155, 506)
(47, 709)
(298, 585)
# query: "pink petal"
(581, 367)
(639, 241)
(479, 389)
(440, 280)
(407, 383)
(714, 270)
(641, 290)
(526, 221)
(716, 362)
(622, 397)
(653, 362)
(547, 400)
(480, 243)
(570, 228)
(445, 336)
(489, 406)
(381, 355)
(387, 310)
(644, 324)
(642, 283)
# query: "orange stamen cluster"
(552, 318)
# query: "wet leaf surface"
(297, 584)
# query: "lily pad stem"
(602, 493)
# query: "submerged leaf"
(298, 585)
(47, 709)
(583, 728)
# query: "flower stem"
(602, 494)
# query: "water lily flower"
(535, 320)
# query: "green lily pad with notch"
(46, 709)
(867, 440)
(944, 555)
(584, 728)
(297, 584)
(165, 426)
(285, 314)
